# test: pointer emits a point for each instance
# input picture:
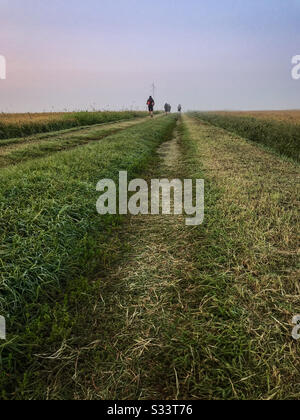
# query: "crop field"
(21, 125)
(143, 307)
(43, 117)
(292, 116)
(276, 132)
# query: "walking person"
(166, 108)
(151, 104)
(179, 108)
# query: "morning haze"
(230, 54)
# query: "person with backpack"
(151, 104)
(166, 108)
(179, 108)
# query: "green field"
(143, 307)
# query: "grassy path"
(141, 317)
(189, 313)
(203, 313)
(40, 146)
(146, 317)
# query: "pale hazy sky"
(217, 54)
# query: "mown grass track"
(111, 344)
(175, 312)
(202, 313)
(51, 234)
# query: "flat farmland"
(279, 132)
(22, 125)
(290, 116)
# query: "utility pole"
(153, 90)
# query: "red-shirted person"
(151, 104)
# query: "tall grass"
(289, 116)
(280, 136)
(27, 124)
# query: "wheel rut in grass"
(142, 312)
